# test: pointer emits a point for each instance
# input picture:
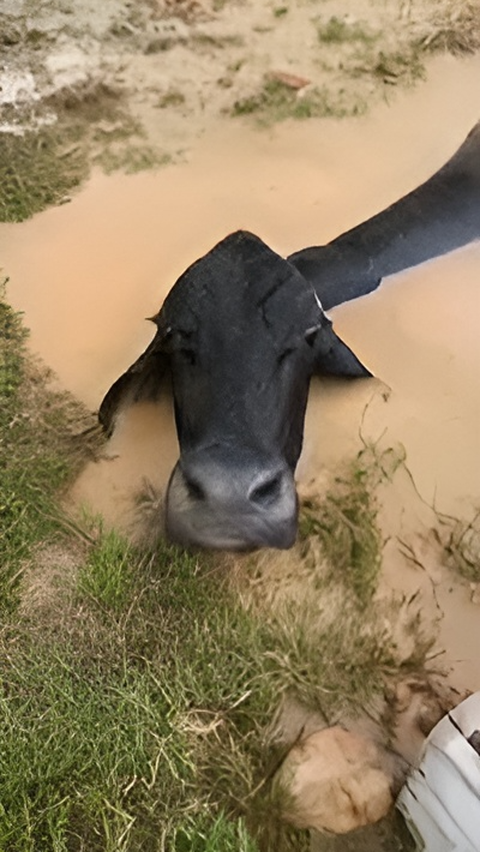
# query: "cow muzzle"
(223, 505)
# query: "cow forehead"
(241, 281)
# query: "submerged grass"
(462, 546)
(131, 159)
(345, 521)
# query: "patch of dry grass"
(452, 27)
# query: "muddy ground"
(134, 83)
(191, 120)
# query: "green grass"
(37, 170)
(142, 714)
(38, 451)
(277, 101)
(43, 167)
(398, 67)
(106, 576)
(370, 63)
(337, 31)
(345, 521)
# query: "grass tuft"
(345, 521)
(37, 170)
(337, 31)
(106, 577)
(453, 27)
(277, 101)
(462, 547)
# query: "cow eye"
(189, 355)
(311, 334)
(286, 352)
(182, 345)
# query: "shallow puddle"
(87, 273)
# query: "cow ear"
(142, 382)
(334, 358)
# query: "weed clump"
(462, 548)
(345, 522)
(37, 170)
(453, 27)
(337, 31)
(277, 101)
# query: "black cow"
(239, 337)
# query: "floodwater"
(87, 273)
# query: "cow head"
(238, 338)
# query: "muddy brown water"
(87, 273)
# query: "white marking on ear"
(320, 305)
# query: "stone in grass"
(335, 780)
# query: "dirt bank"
(131, 85)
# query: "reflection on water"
(87, 273)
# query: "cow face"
(240, 335)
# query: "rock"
(335, 780)
(292, 81)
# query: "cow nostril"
(195, 490)
(267, 491)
